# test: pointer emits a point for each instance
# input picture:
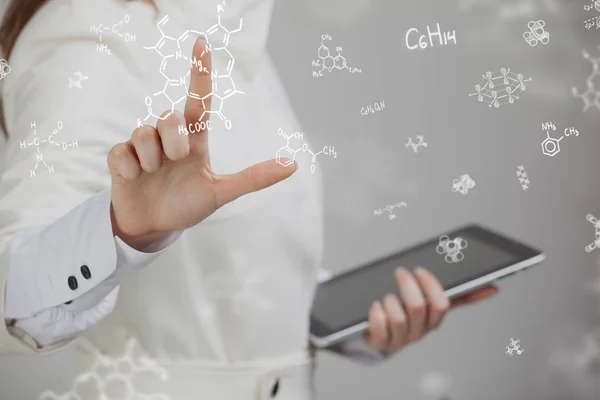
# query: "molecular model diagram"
(523, 179)
(596, 243)
(114, 29)
(76, 82)
(176, 90)
(289, 155)
(509, 88)
(463, 184)
(390, 209)
(415, 146)
(451, 248)
(536, 33)
(591, 96)
(327, 62)
(594, 21)
(4, 69)
(514, 347)
(550, 145)
(113, 374)
(38, 143)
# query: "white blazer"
(220, 310)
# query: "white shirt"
(236, 289)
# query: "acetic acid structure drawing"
(536, 33)
(523, 179)
(326, 62)
(551, 145)
(593, 22)
(514, 347)
(286, 155)
(108, 375)
(463, 184)
(451, 248)
(50, 140)
(591, 96)
(76, 82)
(389, 209)
(500, 88)
(420, 142)
(596, 243)
(115, 29)
(175, 89)
(4, 69)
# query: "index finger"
(197, 105)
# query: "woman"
(214, 273)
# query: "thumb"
(257, 177)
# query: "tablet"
(463, 260)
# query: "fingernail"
(419, 270)
(400, 270)
(377, 305)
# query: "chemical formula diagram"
(287, 152)
(415, 146)
(176, 89)
(514, 347)
(38, 143)
(591, 96)
(508, 87)
(327, 62)
(372, 109)
(76, 82)
(593, 22)
(523, 179)
(596, 243)
(463, 184)
(444, 39)
(390, 209)
(536, 33)
(4, 69)
(114, 29)
(451, 248)
(108, 373)
(550, 145)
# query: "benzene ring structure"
(451, 248)
(591, 96)
(175, 89)
(500, 88)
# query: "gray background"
(548, 308)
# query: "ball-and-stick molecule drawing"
(500, 88)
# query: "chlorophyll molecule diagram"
(176, 89)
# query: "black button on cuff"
(69, 302)
(72, 281)
(275, 388)
(85, 271)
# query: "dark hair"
(17, 15)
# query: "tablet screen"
(345, 301)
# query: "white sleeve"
(355, 349)
(56, 240)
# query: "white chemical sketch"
(593, 22)
(591, 96)
(108, 374)
(425, 41)
(451, 248)
(286, 155)
(112, 29)
(514, 347)
(4, 69)
(462, 184)
(415, 146)
(596, 243)
(523, 178)
(500, 88)
(76, 82)
(372, 108)
(176, 89)
(37, 143)
(327, 62)
(536, 33)
(390, 210)
(551, 145)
